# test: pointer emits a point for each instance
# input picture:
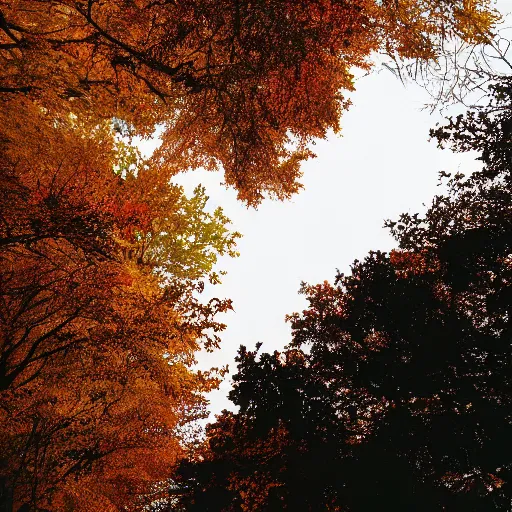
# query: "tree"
(412, 355)
(102, 259)
(281, 451)
(245, 86)
(101, 264)
(423, 332)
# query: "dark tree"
(395, 392)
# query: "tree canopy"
(101, 265)
(242, 85)
(103, 259)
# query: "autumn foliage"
(242, 85)
(103, 259)
(101, 263)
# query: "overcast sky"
(381, 164)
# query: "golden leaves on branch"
(234, 85)
(101, 263)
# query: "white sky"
(380, 166)
(383, 165)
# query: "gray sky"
(381, 164)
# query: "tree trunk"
(6, 497)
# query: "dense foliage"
(244, 85)
(100, 264)
(103, 260)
